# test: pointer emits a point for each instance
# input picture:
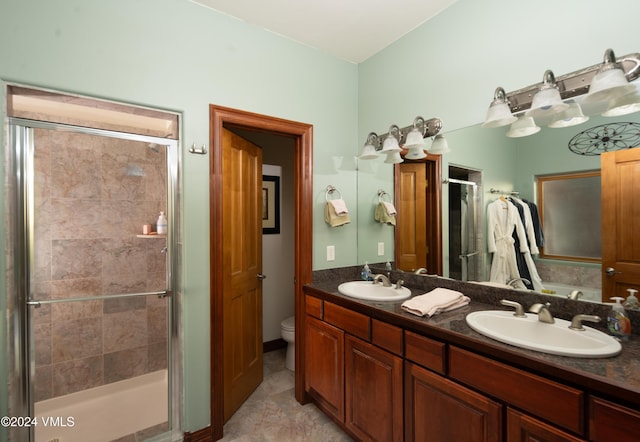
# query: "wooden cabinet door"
(373, 392)
(612, 422)
(437, 409)
(324, 366)
(523, 428)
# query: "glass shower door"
(97, 290)
(463, 230)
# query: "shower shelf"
(151, 236)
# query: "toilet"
(288, 330)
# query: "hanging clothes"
(531, 272)
(537, 227)
(502, 221)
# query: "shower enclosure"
(464, 230)
(94, 294)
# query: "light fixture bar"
(573, 84)
(432, 128)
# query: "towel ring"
(381, 194)
(330, 190)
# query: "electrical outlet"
(331, 253)
(380, 248)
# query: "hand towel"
(340, 206)
(382, 216)
(332, 217)
(436, 301)
(390, 208)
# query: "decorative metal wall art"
(606, 138)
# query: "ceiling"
(352, 30)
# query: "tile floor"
(272, 414)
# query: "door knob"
(261, 276)
(610, 271)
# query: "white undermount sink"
(370, 291)
(530, 333)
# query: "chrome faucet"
(519, 310)
(512, 283)
(420, 271)
(544, 314)
(576, 322)
(575, 294)
(384, 279)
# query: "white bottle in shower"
(162, 224)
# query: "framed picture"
(270, 204)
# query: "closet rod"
(504, 192)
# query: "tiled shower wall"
(92, 196)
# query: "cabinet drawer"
(549, 400)
(313, 306)
(352, 322)
(612, 422)
(424, 351)
(387, 336)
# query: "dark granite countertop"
(616, 378)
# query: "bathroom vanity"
(384, 374)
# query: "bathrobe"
(502, 220)
(532, 271)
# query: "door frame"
(302, 133)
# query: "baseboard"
(276, 344)
(201, 435)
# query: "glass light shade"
(368, 152)
(525, 126)
(570, 117)
(390, 144)
(498, 115)
(414, 139)
(546, 102)
(393, 157)
(415, 153)
(439, 146)
(624, 105)
(608, 85)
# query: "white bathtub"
(562, 290)
(104, 413)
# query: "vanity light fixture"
(522, 127)
(369, 150)
(499, 113)
(599, 89)
(547, 101)
(439, 145)
(570, 117)
(414, 141)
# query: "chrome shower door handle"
(260, 276)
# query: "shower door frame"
(21, 142)
(476, 254)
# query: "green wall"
(177, 55)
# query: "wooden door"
(242, 265)
(411, 222)
(373, 392)
(437, 409)
(620, 222)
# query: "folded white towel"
(391, 210)
(340, 206)
(436, 301)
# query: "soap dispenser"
(617, 321)
(632, 300)
(366, 272)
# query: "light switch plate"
(380, 248)
(331, 253)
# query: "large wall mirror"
(497, 162)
